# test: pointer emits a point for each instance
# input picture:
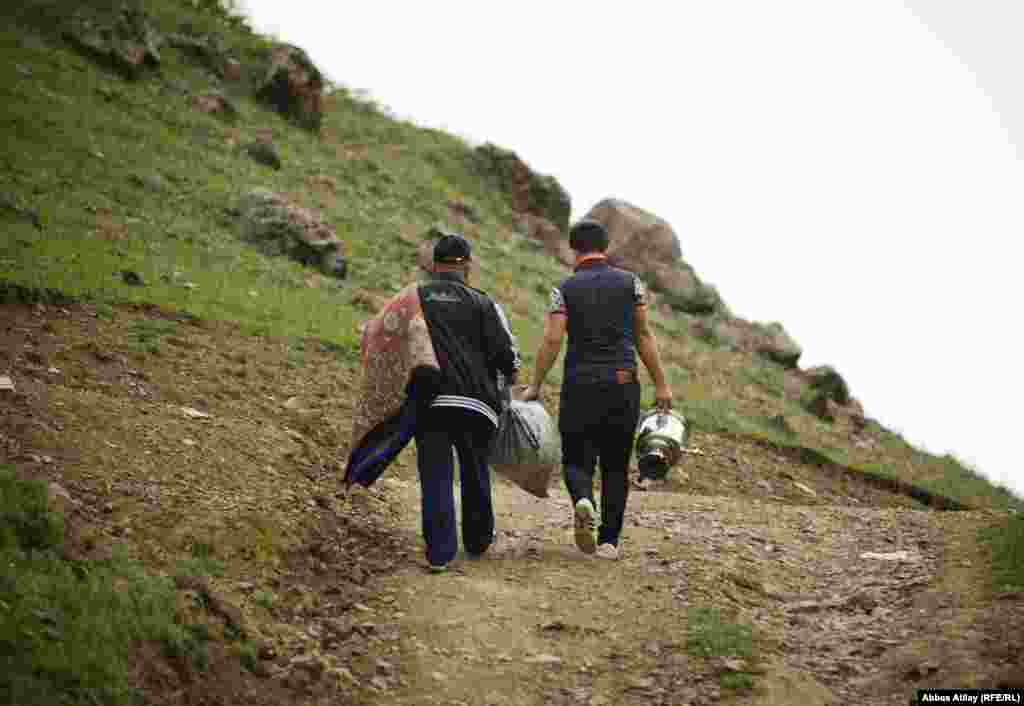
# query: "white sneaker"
(586, 526)
(608, 551)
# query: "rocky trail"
(848, 605)
(851, 594)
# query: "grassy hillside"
(100, 175)
(81, 143)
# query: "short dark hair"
(452, 249)
(588, 236)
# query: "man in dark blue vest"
(603, 310)
(474, 348)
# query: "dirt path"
(849, 605)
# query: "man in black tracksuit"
(475, 350)
(603, 310)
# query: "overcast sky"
(852, 170)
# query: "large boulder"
(769, 341)
(128, 44)
(294, 87)
(280, 227)
(641, 242)
(528, 191)
(635, 237)
(827, 393)
(548, 235)
(778, 346)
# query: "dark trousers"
(598, 421)
(470, 433)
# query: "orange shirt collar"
(590, 257)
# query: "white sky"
(851, 170)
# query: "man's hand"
(531, 393)
(663, 397)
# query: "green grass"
(1005, 541)
(65, 627)
(711, 634)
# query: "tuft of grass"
(25, 523)
(710, 634)
(265, 599)
(1005, 541)
(248, 656)
(66, 629)
(201, 563)
(144, 334)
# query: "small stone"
(379, 683)
(804, 489)
(194, 413)
(437, 676)
(132, 278)
(189, 442)
(264, 153)
(546, 660)
(53, 371)
(6, 384)
(342, 674)
(902, 555)
(731, 664)
(231, 70)
(361, 607)
(23, 70)
(311, 664)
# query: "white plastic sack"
(527, 447)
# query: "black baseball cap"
(452, 248)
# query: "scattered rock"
(902, 555)
(281, 227)
(806, 490)
(309, 663)
(6, 384)
(153, 183)
(132, 278)
(23, 71)
(294, 87)
(544, 660)
(528, 191)
(548, 234)
(59, 496)
(130, 46)
(194, 413)
(7, 203)
(231, 70)
(827, 390)
(264, 153)
(214, 103)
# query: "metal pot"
(661, 438)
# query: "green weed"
(710, 634)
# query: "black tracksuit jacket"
(473, 343)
